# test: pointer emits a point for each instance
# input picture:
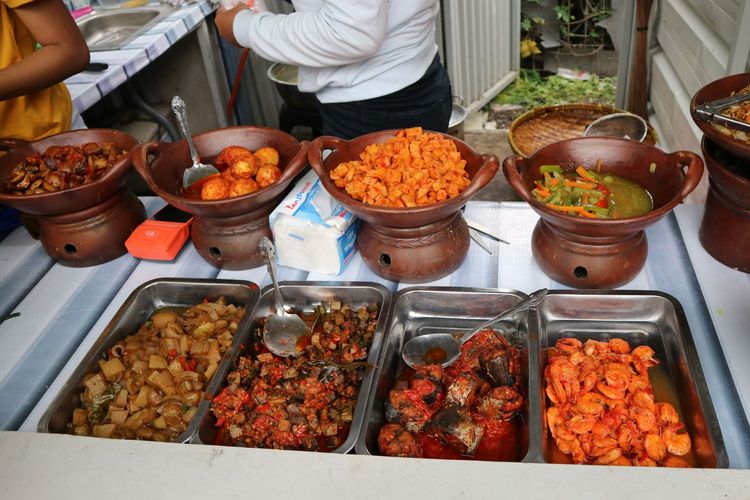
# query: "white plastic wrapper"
(312, 231)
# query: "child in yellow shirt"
(34, 103)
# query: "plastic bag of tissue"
(312, 231)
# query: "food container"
(601, 253)
(722, 136)
(85, 225)
(411, 245)
(225, 232)
(725, 226)
(285, 78)
(142, 303)
(422, 310)
(303, 296)
(648, 318)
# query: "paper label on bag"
(312, 231)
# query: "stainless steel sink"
(111, 29)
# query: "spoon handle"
(269, 255)
(533, 300)
(180, 111)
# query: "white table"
(63, 310)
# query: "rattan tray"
(542, 126)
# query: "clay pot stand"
(86, 225)
(725, 227)
(595, 253)
(410, 245)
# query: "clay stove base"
(415, 255)
(94, 235)
(582, 262)
(232, 242)
(725, 232)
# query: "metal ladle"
(198, 170)
(282, 330)
(622, 125)
(445, 348)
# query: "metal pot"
(284, 77)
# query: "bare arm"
(63, 53)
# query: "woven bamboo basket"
(542, 126)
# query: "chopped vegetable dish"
(592, 195)
(413, 168)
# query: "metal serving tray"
(647, 318)
(139, 306)
(422, 310)
(640, 317)
(302, 296)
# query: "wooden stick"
(638, 91)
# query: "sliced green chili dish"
(589, 194)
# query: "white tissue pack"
(312, 231)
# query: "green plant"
(580, 33)
(530, 90)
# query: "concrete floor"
(496, 142)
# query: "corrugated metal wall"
(481, 39)
(478, 40)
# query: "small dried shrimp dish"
(149, 384)
(413, 168)
(62, 167)
(301, 403)
(602, 410)
(241, 172)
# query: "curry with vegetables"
(589, 194)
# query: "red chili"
(602, 188)
(602, 203)
(188, 366)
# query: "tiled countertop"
(87, 88)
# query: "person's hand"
(224, 21)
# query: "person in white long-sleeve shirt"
(373, 64)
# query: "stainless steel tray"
(302, 296)
(147, 298)
(640, 317)
(422, 310)
(647, 318)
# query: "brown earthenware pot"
(85, 225)
(725, 228)
(411, 245)
(718, 89)
(226, 232)
(601, 253)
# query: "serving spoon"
(622, 125)
(198, 170)
(282, 330)
(445, 348)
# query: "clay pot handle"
(694, 165)
(490, 166)
(315, 152)
(13, 144)
(513, 175)
(297, 163)
(140, 155)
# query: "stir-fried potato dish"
(413, 168)
(149, 384)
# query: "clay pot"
(411, 245)
(81, 226)
(226, 232)
(718, 89)
(601, 253)
(725, 228)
